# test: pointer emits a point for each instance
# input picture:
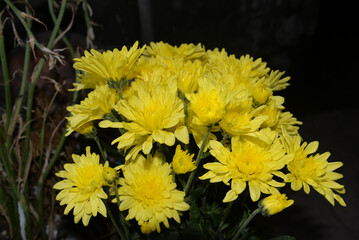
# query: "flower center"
(89, 178)
(209, 108)
(303, 167)
(249, 161)
(149, 188)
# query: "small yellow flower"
(182, 161)
(307, 170)
(109, 174)
(82, 187)
(149, 193)
(98, 103)
(274, 204)
(98, 67)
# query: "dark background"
(314, 41)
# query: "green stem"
(113, 220)
(198, 159)
(18, 104)
(42, 184)
(103, 153)
(6, 79)
(246, 222)
(225, 216)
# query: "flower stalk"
(246, 222)
(198, 159)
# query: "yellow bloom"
(259, 91)
(98, 102)
(185, 51)
(251, 161)
(149, 193)
(189, 75)
(98, 67)
(274, 204)
(182, 161)
(277, 120)
(307, 170)
(154, 114)
(82, 187)
(275, 82)
(209, 104)
(240, 121)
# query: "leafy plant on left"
(25, 163)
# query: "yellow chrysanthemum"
(277, 119)
(82, 187)
(240, 121)
(98, 67)
(154, 114)
(274, 204)
(182, 161)
(189, 75)
(98, 103)
(149, 193)
(209, 104)
(251, 161)
(185, 51)
(275, 82)
(307, 170)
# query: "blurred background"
(314, 41)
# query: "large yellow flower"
(251, 161)
(98, 103)
(149, 193)
(99, 67)
(154, 113)
(82, 187)
(307, 170)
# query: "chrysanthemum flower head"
(182, 161)
(240, 121)
(185, 51)
(154, 114)
(209, 104)
(98, 103)
(189, 75)
(274, 204)
(307, 170)
(249, 161)
(149, 193)
(82, 187)
(99, 67)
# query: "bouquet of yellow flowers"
(197, 133)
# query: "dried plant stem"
(198, 159)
